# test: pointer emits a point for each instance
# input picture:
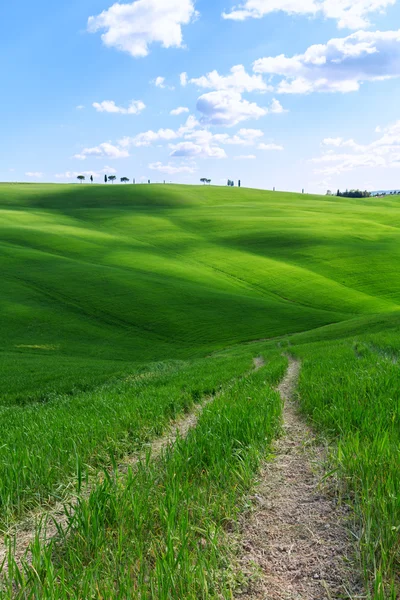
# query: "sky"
(285, 94)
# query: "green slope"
(138, 273)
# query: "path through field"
(56, 517)
(295, 543)
(52, 519)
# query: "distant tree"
(124, 179)
(329, 193)
(133, 181)
(81, 178)
(208, 181)
(105, 178)
(203, 180)
(354, 194)
(91, 178)
(239, 183)
(112, 178)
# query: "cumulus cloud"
(343, 155)
(341, 65)
(244, 137)
(109, 106)
(133, 27)
(352, 14)
(179, 111)
(160, 83)
(276, 107)
(238, 80)
(269, 147)
(183, 79)
(171, 169)
(103, 150)
(227, 108)
(148, 138)
(193, 150)
(34, 174)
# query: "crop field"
(126, 310)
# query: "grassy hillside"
(151, 272)
(123, 306)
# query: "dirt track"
(295, 543)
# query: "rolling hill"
(153, 272)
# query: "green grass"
(351, 391)
(43, 441)
(149, 272)
(122, 306)
(160, 532)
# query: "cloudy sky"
(289, 94)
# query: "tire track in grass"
(295, 543)
(49, 522)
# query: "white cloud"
(183, 79)
(238, 80)
(197, 150)
(276, 107)
(106, 149)
(80, 107)
(341, 65)
(244, 137)
(227, 108)
(195, 140)
(171, 169)
(160, 83)
(352, 14)
(109, 106)
(347, 155)
(246, 157)
(179, 111)
(95, 174)
(269, 147)
(148, 138)
(34, 174)
(133, 27)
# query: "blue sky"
(302, 93)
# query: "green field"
(123, 306)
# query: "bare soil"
(295, 543)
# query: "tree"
(203, 180)
(124, 179)
(354, 194)
(112, 178)
(81, 178)
(208, 181)
(105, 179)
(91, 178)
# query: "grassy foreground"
(117, 304)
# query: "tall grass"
(42, 441)
(352, 394)
(159, 532)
